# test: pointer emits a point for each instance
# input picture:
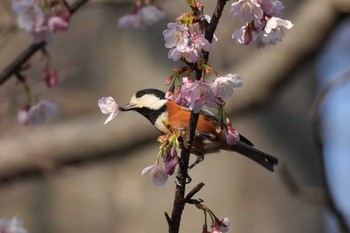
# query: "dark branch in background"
(22, 58)
(317, 130)
(180, 200)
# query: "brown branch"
(27, 53)
(182, 175)
(193, 192)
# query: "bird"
(153, 105)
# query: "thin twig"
(27, 53)
(193, 192)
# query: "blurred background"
(75, 174)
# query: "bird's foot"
(176, 179)
(199, 159)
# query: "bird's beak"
(127, 107)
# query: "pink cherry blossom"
(131, 20)
(56, 23)
(38, 23)
(247, 10)
(159, 176)
(198, 94)
(224, 225)
(169, 95)
(13, 225)
(108, 106)
(185, 41)
(170, 160)
(272, 7)
(262, 23)
(29, 14)
(142, 17)
(176, 36)
(242, 35)
(150, 15)
(215, 230)
(223, 86)
(232, 135)
(274, 30)
(37, 114)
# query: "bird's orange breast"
(178, 118)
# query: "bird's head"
(151, 103)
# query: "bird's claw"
(199, 159)
(187, 181)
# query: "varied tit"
(153, 105)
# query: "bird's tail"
(265, 160)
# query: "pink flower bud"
(57, 23)
(169, 80)
(169, 95)
(232, 135)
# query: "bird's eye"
(139, 94)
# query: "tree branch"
(182, 175)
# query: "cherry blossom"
(108, 106)
(185, 41)
(131, 20)
(40, 23)
(232, 135)
(11, 226)
(272, 7)
(247, 10)
(150, 15)
(170, 160)
(142, 17)
(262, 22)
(37, 114)
(274, 30)
(56, 23)
(224, 225)
(223, 86)
(198, 94)
(158, 173)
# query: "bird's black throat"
(151, 114)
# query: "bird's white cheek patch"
(159, 124)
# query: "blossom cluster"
(168, 152)
(13, 225)
(143, 16)
(41, 21)
(185, 39)
(197, 94)
(262, 22)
